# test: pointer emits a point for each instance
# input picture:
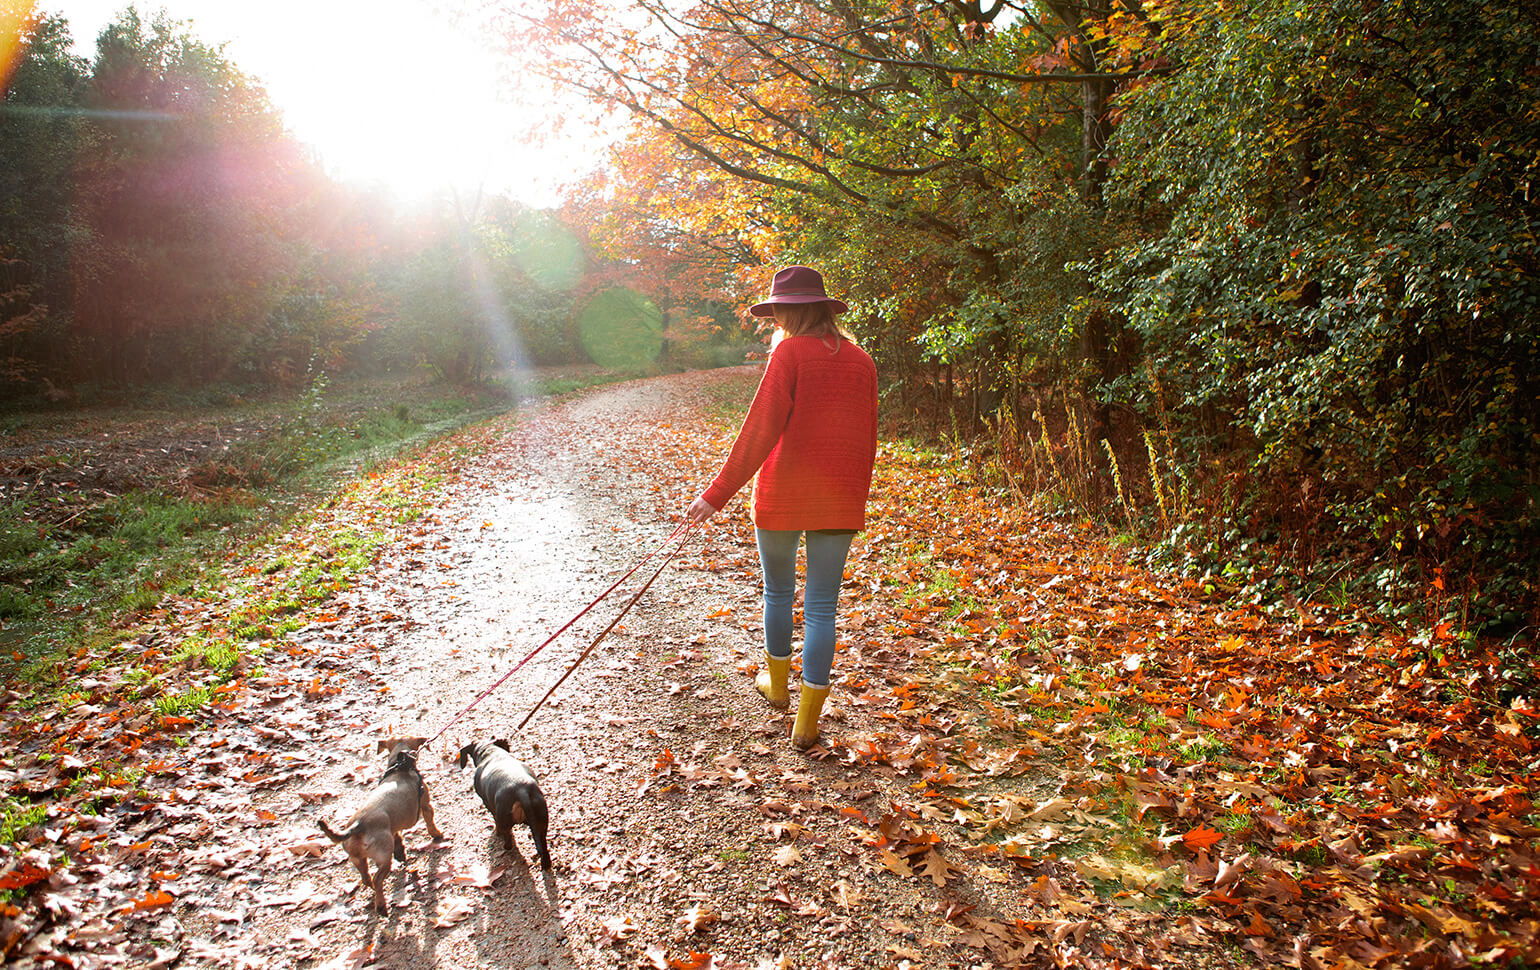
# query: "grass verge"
(78, 564)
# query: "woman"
(811, 434)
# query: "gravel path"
(686, 831)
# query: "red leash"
(590, 648)
(681, 532)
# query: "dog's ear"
(385, 744)
(465, 754)
(411, 744)
(503, 744)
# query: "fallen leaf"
(351, 959)
(698, 916)
(937, 868)
(1231, 872)
(452, 912)
(1049, 811)
(154, 899)
(618, 928)
(1201, 837)
(479, 876)
(780, 830)
(846, 895)
(895, 864)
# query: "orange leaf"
(1201, 838)
(154, 899)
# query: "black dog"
(510, 793)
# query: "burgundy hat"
(796, 284)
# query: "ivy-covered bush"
(1341, 283)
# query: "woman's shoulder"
(808, 345)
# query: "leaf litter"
(1037, 755)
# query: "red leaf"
(25, 876)
(1201, 838)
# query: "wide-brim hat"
(797, 284)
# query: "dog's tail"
(538, 817)
(337, 836)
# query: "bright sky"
(387, 91)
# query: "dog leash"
(681, 532)
(605, 632)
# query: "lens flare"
(621, 329)
(502, 336)
(15, 20)
(549, 254)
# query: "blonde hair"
(809, 320)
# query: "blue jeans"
(825, 568)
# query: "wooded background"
(1255, 282)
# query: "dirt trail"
(682, 821)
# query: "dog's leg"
(427, 817)
(504, 828)
(398, 850)
(503, 817)
(362, 865)
(379, 886)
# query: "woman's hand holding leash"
(699, 511)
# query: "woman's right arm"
(759, 434)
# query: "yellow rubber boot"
(805, 734)
(771, 681)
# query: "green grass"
(74, 562)
(1201, 749)
(219, 654)
(189, 701)
(16, 816)
(122, 554)
(1233, 822)
(569, 380)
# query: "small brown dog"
(374, 831)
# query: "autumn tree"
(932, 156)
(182, 196)
(476, 284)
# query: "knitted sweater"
(811, 434)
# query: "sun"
(416, 104)
(392, 93)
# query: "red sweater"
(811, 434)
